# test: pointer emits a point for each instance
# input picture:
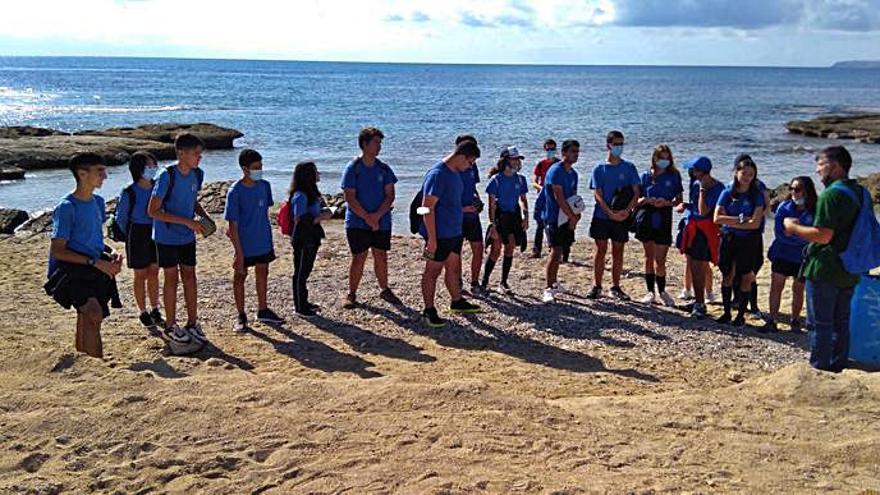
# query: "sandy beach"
(577, 397)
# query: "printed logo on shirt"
(380, 178)
(668, 183)
(621, 176)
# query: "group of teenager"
(159, 217)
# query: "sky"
(582, 32)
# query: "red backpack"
(284, 218)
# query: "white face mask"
(256, 174)
(150, 173)
(663, 164)
(800, 201)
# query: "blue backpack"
(862, 254)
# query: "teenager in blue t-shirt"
(616, 188)
(560, 185)
(368, 184)
(247, 211)
(140, 249)
(81, 266)
(661, 191)
(786, 254)
(471, 227)
(441, 229)
(739, 212)
(508, 212)
(174, 229)
(306, 217)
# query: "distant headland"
(857, 64)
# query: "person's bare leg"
(710, 279)
(238, 280)
(797, 298)
(88, 328)
(261, 271)
(552, 270)
(139, 285)
(616, 262)
(429, 282)
(153, 284)
(688, 274)
(453, 276)
(356, 271)
(190, 293)
(476, 261)
(599, 262)
(698, 270)
(777, 285)
(169, 296)
(380, 266)
(660, 254)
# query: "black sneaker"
(313, 307)
(739, 321)
(619, 294)
(724, 319)
(595, 292)
(796, 326)
(241, 323)
(698, 311)
(147, 320)
(176, 335)
(268, 316)
(156, 315)
(768, 327)
(306, 313)
(463, 306)
(432, 318)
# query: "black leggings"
(303, 262)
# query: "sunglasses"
(797, 189)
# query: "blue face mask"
(617, 150)
(551, 153)
(256, 174)
(150, 173)
(663, 164)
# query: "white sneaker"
(667, 299)
(549, 296)
(686, 295)
(558, 288)
(176, 335)
(710, 297)
(195, 331)
(648, 298)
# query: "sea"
(297, 111)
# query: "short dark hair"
(570, 143)
(612, 135)
(247, 157)
(837, 154)
(83, 161)
(138, 163)
(465, 137)
(367, 134)
(468, 149)
(549, 142)
(188, 141)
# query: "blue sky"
(640, 32)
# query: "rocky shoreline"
(864, 128)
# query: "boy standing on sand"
(81, 267)
(540, 173)
(560, 185)
(247, 211)
(616, 186)
(441, 229)
(368, 184)
(173, 206)
(471, 227)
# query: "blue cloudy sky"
(652, 32)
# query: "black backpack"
(415, 220)
(114, 231)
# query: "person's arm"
(385, 207)
(637, 194)
(430, 221)
(493, 205)
(702, 204)
(60, 252)
(238, 257)
(597, 193)
(562, 201)
(524, 207)
(818, 235)
(157, 213)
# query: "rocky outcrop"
(864, 128)
(871, 182)
(335, 201)
(214, 136)
(213, 196)
(39, 223)
(32, 148)
(12, 173)
(11, 218)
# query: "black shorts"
(644, 226)
(740, 252)
(170, 255)
(360, 240)
(602, 230)
(140, 250)
(263, 259)
(559, 235)
(786, 268)
(445, 247)
(507, 224)
(471, 228)
(699, 248)
(657, 236)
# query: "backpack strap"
(838, 186)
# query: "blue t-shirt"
(665, 186)
(609, 178)
(712, 196)
(181, 202)
(369, 185)
(81, 224)
(446, 185)
(469, 180)
(139, 214)
(299, 205)
(507, 190)
(786, 247)
(745, 204)
(249, 207)
(557, 176)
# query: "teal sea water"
(293, 111)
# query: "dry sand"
(576, 397)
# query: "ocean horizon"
(293, 111)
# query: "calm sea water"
(293, 111)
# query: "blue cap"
(701, 163)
